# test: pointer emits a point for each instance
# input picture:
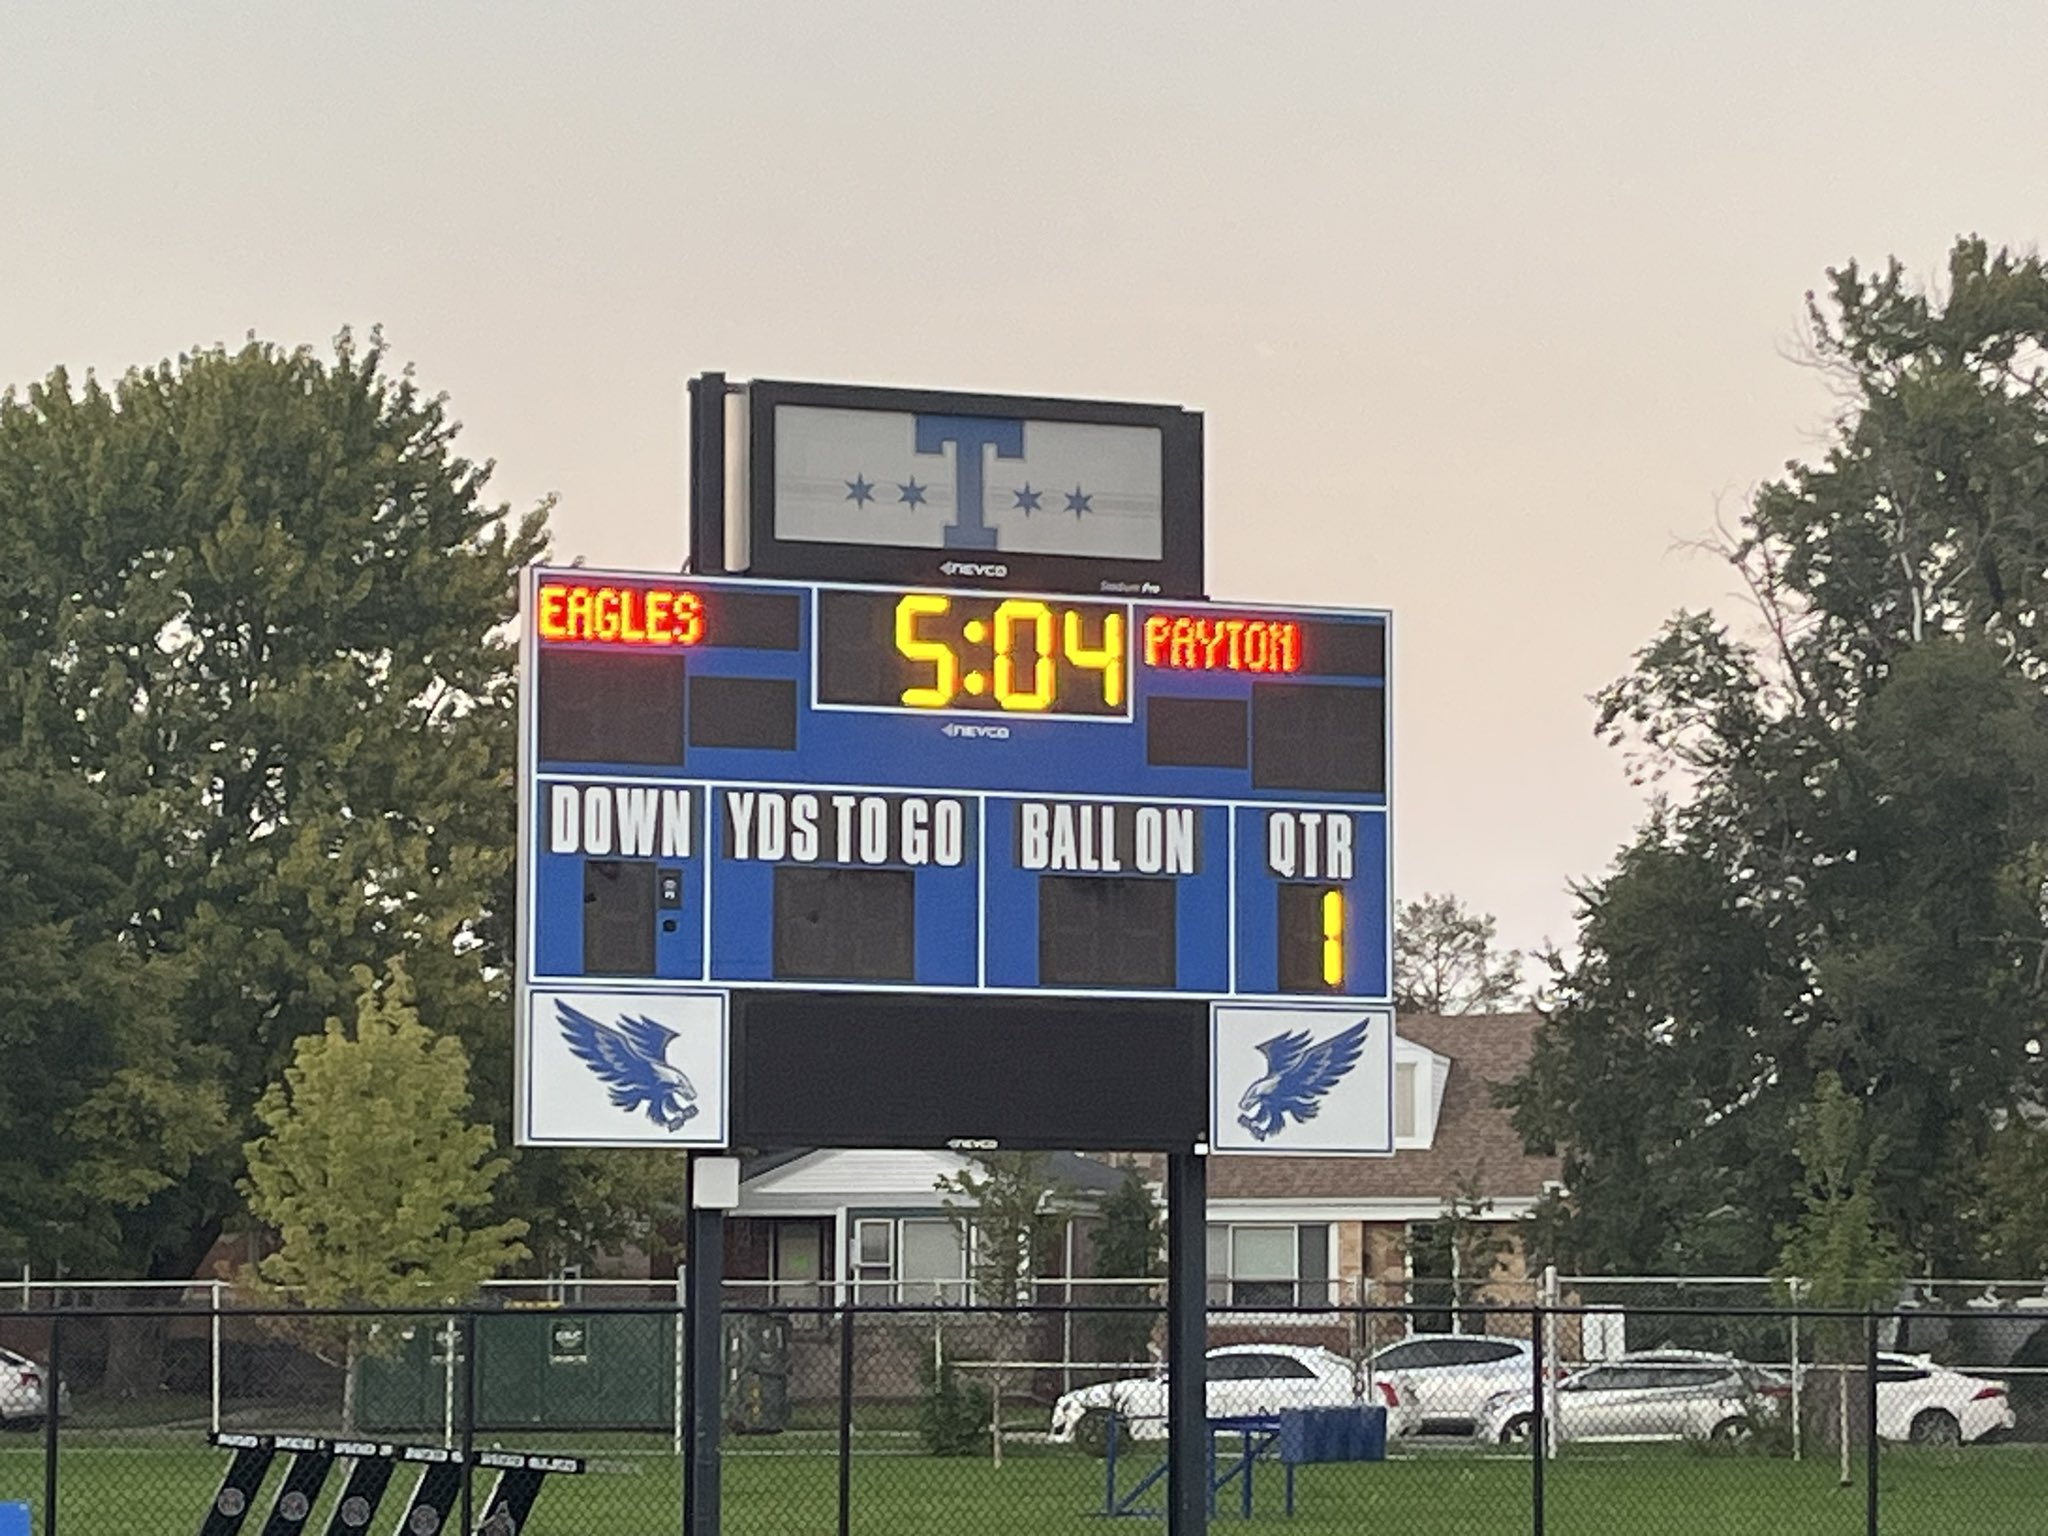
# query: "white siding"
(824, 1182)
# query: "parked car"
(1244, 1379)
(1659, 1394)
(1930, 1404)
(1449, 1376)
(21, 1391)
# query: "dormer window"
(1419, 1078)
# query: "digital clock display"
(968, 651)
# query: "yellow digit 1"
(1333, 938)
(1039, 617)
(1108, 658)
(945, 668)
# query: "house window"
(1405, 1117)
(874, 1262)
(1269, 1265)
(934, 1265)
(916, 1260)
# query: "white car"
(1658, 1394)
(1930, 1404)
(1449, 1376)
(21, 1390)
(1244, 1379)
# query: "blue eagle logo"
(1298, 1073)
(631, 1059)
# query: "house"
(810, 1222)
(813, 1226)
(1343, 1231)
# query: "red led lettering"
(1185, 643)
(571, 612)
(1157, 627)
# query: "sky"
(1492, 309)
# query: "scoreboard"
(751, 785)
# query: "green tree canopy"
(254, 654)
(1843, 873)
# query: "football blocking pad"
(373, 1465)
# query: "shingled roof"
(1473, 1137)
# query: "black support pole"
(703, 1365)
(1539, 1430)
(846, 1414)
(1187, 1345)
(53, 1403)
(707, 474)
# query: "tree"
(1445, 962)
(1839, 1253)
(1130, 1244)
(2011, 1202)
(1842, 872)
(370, 1174)
(254, 607)
(1462, 1250)
(1010, 1212)
(117, 1116)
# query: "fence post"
(1870, 1412)
(1798, 1431)
(53, 1395)
(469, 1351)
(214, 1383)
(846, 1415)
(1539, 1420)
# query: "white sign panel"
(967, 483)
(1301, 1078)
(625, 1069)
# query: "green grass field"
(789, 1484)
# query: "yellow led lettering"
(1039, 617)
(1333, 938)
(1107, 658)
(938, 693)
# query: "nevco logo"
(971, 568)
(986, 732)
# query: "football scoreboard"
(741, 784)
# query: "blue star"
(912, 494)
(1027, 498)
(1077, 503)
(859, 491)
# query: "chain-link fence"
(1607, 1413)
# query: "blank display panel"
(1106, 932)
(1319, 736)
(899, 1070)
(845, 924)
(1195, 733)
(758, 712)
(618, 918)
(607, 707)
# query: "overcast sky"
(1488, 305)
